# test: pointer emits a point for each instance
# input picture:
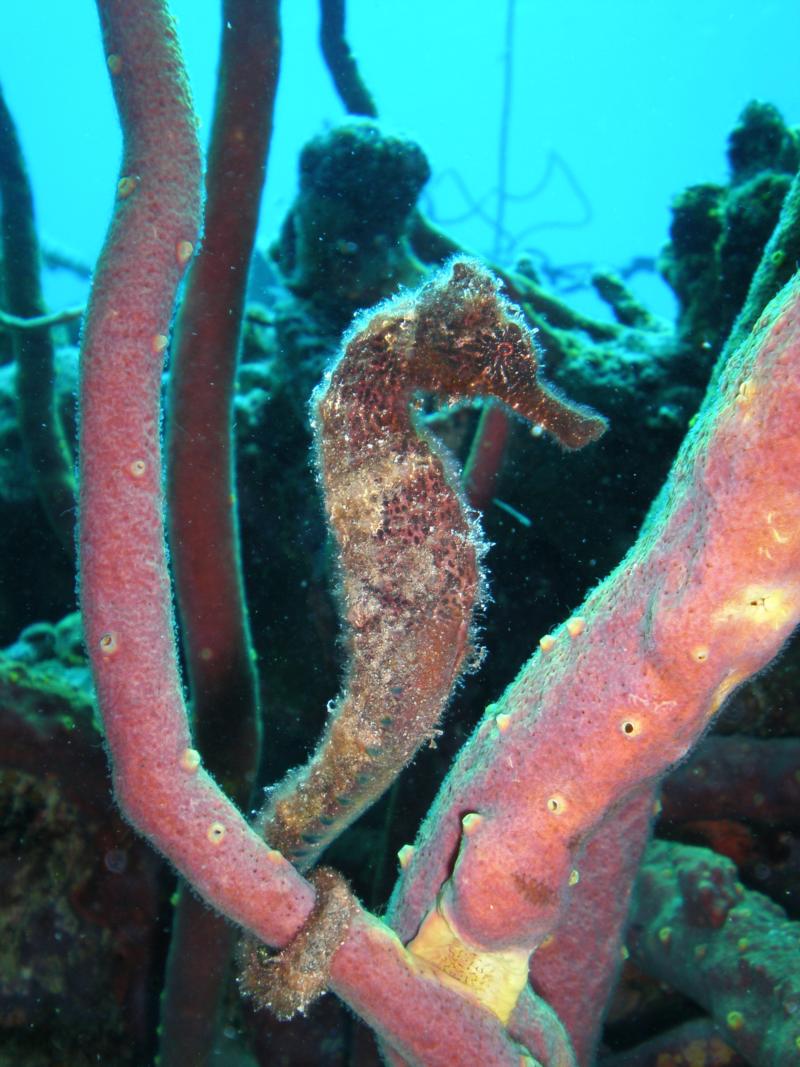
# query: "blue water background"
(636, 96)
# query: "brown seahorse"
(409, 547)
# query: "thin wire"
(505, 123)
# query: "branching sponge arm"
(612, 699)
(125, 593)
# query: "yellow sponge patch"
(759, 605)
(496, 979)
